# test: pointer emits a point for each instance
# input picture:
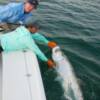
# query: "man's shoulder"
(14, 4)
(23, 30)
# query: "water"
(75, 26)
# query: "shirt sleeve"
(5, 13)
(40, 38)
(25, 17)
(32, 46)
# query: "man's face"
(33, 29)
(28, 7)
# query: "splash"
(66, 76)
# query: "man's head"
(30, 5)
(32, 27)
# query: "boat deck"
(21, 77)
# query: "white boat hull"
(21, 77)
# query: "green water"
(75, 26)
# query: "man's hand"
(52, 44)
(50, 63)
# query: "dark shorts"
(1, 49)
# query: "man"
(16, 12)
(23, 38)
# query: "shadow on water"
(0, 76)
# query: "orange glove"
(50, 63)
(52, 44)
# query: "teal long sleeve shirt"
(40, 38)
(22, 39)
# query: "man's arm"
(40, 38)
(24, 19)
(40, 54)
(5, 13)
(32, 46)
